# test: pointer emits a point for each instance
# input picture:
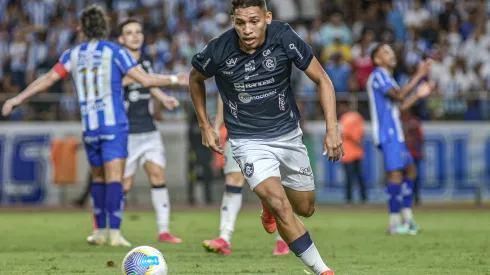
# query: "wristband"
(174, 80)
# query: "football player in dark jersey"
(145, 146)
(252, 65)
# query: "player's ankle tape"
(159, 186)
(301, 244)
(233, 189)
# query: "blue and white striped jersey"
(97, 68)
(385, 112)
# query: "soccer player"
(386, 99)
(252, 64)
(145, 146)
(97, 68)
(232, 200)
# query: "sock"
(407, 199)
(98, 193)
(394, 202)
(304, 248)
(230, 206)
(161, 204)
(115, 204)
(278, 237)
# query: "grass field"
(351, 242)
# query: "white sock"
(230, 206)
(161, 205)
(311, 258)
(407, 214)
(394, 220)
(278, 237)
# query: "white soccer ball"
(144, 260)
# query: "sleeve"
(124, 60)
(297, 49)
(205, 61)
(385, 81)
(63, 67)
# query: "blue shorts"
(396, 156)
(106, 144)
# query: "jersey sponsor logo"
(267, 52)
(227, 72)
(247, 77)
(206, 64)
(293, 47)
(230, 63)
(98, 106)
(92, 139)
(244, 86)
(135, 96)
(249, 170)
(282, 101)
(306, 171)
(250, 66)
(233, 109)
(247, 98)
(269, 63)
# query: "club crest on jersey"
(250, 66)
(230, 63)
(249, 170)
(269, 63)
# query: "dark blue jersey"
(256, 91)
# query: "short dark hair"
(126, 22)
(237, 4)
(375, 51)
(95, 23)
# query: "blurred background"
(42, 162)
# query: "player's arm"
(156, 80)
(424, 90)
(400, 94)
(219, 120)
(39, 85)
(333, 144)
(170, 102)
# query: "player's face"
(132, 36)
(387, 57)
(250, 24)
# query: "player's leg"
(289, 226)
(114, 153)
(231, 204)
(348, 169)
(408, 186)
(360, 181)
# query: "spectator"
(414, 139)
(335, 28)
(340, 73)
(417, 17)
(352, 124)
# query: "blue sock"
(408, 194)
(98, 194)
(394, 202)
(301, 244)
(233, 189)
(115, 204)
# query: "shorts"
(106, 144)
(396, 156)
(231, 166)
(143, 147)
(284, 156)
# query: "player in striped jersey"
(386, 99)
(97, 68)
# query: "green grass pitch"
(351, 242)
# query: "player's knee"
(306, 210)
(235, 179)
(395, 177)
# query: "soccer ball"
(144, 260)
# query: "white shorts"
(231, 166)
(285, 157)
(142, 148)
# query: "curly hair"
(95, 23)
(237, 4)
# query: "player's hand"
(183, 79)
(171, 102)
(332, 145)
(210, 139)
(424, 67)
(425, 89)
(9, 105)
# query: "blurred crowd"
(455, 33)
